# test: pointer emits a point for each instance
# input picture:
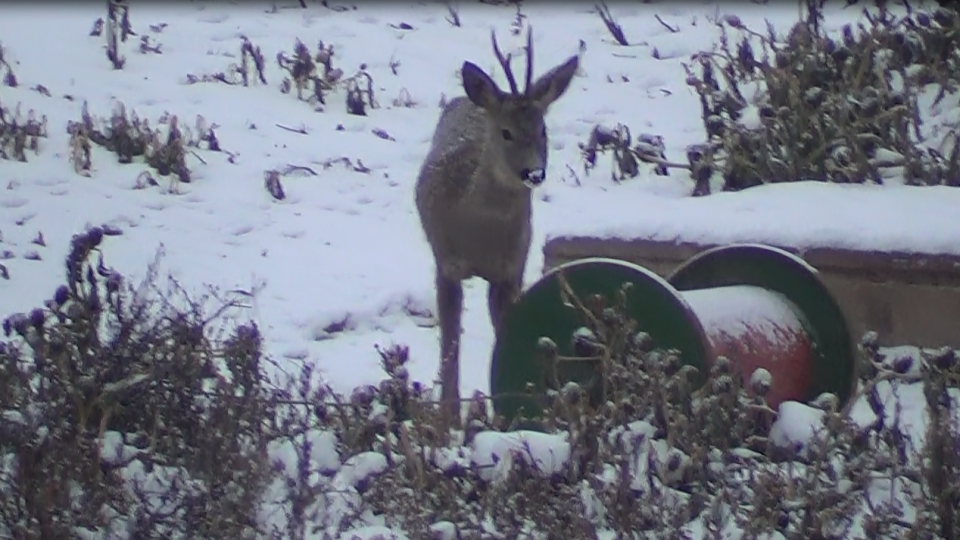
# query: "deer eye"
(507, 136)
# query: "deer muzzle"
(533, 177)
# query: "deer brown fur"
(473, 194)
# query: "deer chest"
(488, 242)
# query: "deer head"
(519, 135)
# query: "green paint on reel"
(540, 312)
(519, 375)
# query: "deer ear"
(480, 88)
(554, 83)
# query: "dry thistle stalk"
(80, 157)
(9, 78)
(250, 53)
(19, 134)
(612, 26)
(360, 97)
(453, 13)
(118, 29)
(302, 72)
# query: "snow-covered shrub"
(658, 456)
(662, 456)
(120, 417)
(849, 108)
(123, 414)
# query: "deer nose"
(533, 177)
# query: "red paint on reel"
(757, 328)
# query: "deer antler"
(526, 89)
(505, 63)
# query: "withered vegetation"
(9, 77)
(861, 107)
(311, 76)
(119, 416)
(118, 30)
(238, 74)
(129, 137)
(20, 133)
(141, 412)
(317, 73)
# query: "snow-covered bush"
(133, 412)
(847, 108)
(662, 457)
(120, 418)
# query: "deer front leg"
(500, 296)
(450, 309)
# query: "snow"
(910, 406)
(740, 309)
(341, 265)
(801, 215)
(495, 453)
(796, 425)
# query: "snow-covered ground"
(346, 246)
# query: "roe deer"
(489, 150)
